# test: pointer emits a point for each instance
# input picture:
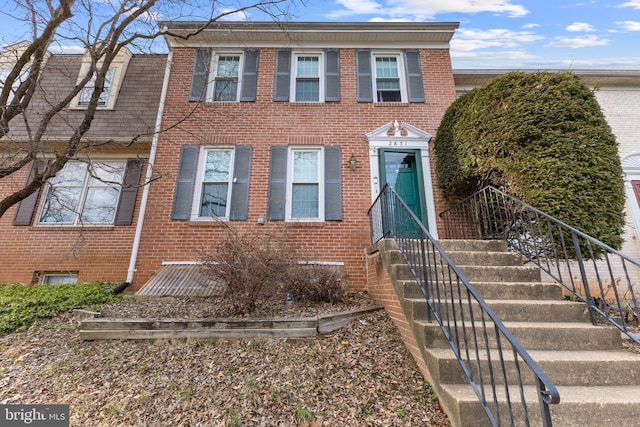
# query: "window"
(307, 76)
(225, 76)
(305, 184)
(85, 94)
(83, 193)
(389, 77)
(307, 83)
(212, 182)
(213, 195)
(59, 278)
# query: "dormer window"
(112, 83)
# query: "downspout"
(148, 175)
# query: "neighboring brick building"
(272, 118)
(79, 228)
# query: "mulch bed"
(361, 375)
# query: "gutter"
(148, 175)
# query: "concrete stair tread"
(560, 303)
(554, 355)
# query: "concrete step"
(512, 310)
(486, 258)
(519, 290)
(579, 406)
(476, 273)
(452, 245)
(532, 335)
(592, 368)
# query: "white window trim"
(213, 68)
(120, 64)
(404, 97)
(77, 222)
(294, 74)
(197, 197)
(289, 182)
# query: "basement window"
(58, 278)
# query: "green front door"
(402, 170)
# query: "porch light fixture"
(353, 163)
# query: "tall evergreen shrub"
(543, 137)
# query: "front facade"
(293, 128)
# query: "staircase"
(598, 380)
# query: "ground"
(361, 375)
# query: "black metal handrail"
(588, 269)
(499, 369)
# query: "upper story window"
(308, 80)
(388, 83)
(112, 83)
(224, 76)
(8, 59)
(307, 76)
(389, 76)
(83, 193)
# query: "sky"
(515, 34)
(510, 34)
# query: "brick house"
(77, 227)
(294, 127)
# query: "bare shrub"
(316, 283)
(253, 265)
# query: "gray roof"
(135, 110)
(595, 78)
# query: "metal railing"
(510, 386)
(591, 271)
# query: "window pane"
(307, 66)
(386, 67)
(214, 200)
(103, 173)
(389, 96)
(308, 90)
(228, 66)
(100, 205)
(304, 203)
(59, 279)
(305, 166)
(61, 205)
(85, 94)
(217, 167)
(225, 90)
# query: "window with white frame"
(388, 79)
(213, 192)
(84, 97)
(307, 77)
(58, 278)
(83, 193)
(305, 189)
(225, 76)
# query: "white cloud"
(492, 56)
(580, 26)
(577, 42)
(55, 49)
(634, 4)
(423, 9)
(467, 40)
(233, 14)
(530, 26)
(629, 25)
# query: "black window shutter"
(185, 182)
(332, 83)
(25, 209)
(249, 76)
(365, 79)
(414, 76)
(202, 60)
(332, 184)
(283, 71)
(129, 192)
(240, 185)
(277, 183)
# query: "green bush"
(543, 138)
(21, 306)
